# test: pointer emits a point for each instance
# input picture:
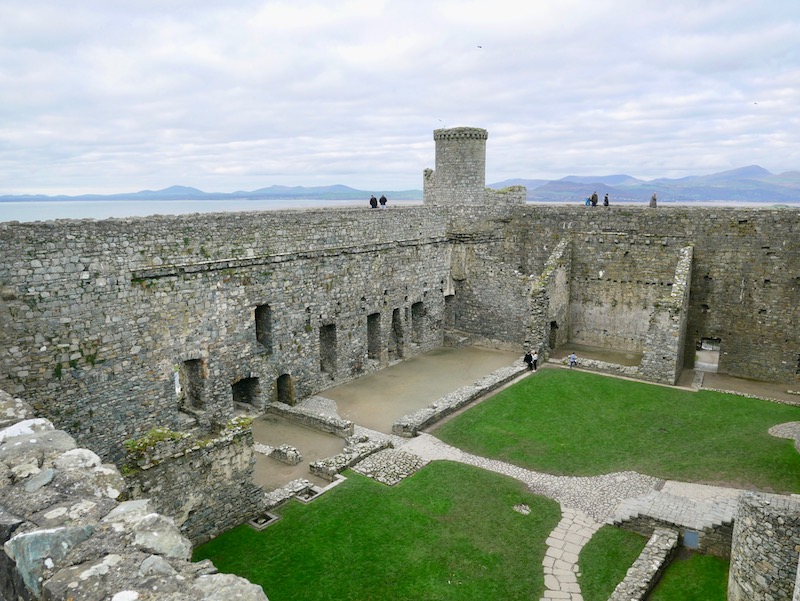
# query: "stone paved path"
(586, 503)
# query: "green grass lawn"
(576, 423)
(448, 532)
(693, 578)
(605, 560)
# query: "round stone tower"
(460, 174)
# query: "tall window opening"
(264, 326)
(417, 322)
(327, 348)
(450, 311)
(553, 337)
(374, 336)
(190, 383)
(396, 336)
(285, 389)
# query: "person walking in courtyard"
(535, 360)
(528, 360)
(373, 202)
(382, 200)
(605, 200)
(573, 360)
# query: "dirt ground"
(375, 401)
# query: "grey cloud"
(143, 94)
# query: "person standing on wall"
(605, 200)
(594, 199)
(653, 201)
(528, 360)
(382, 200)
(373, 202)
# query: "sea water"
(103, 209)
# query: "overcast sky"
(102, 96)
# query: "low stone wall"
(647, 569)
(318, 421)
(410, 425)
(284, 453)
(629, 371)
(711, 540)
(68, 533)
(204, 485)
(764, 555)
(357, 449)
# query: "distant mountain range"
(336, 192)
(751, 184)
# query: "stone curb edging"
(411, 424)
(647, 568)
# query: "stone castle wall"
(204, 485)
(67, 531)
(764, 553)
(100, 315)
(744, 287)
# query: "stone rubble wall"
(662, 359)
(68, 533)
(627, 371)
(711, 540)
(312, 419)
(764, 554)
(646, 570)
(98, 315)
(742, 279)
(357, 448)
(101, 314)
(204, 485)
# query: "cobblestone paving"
(790, 430)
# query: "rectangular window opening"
(327, 348)
(264, 326)
(374, 336)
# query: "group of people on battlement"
(591, 201)
(374, 202)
